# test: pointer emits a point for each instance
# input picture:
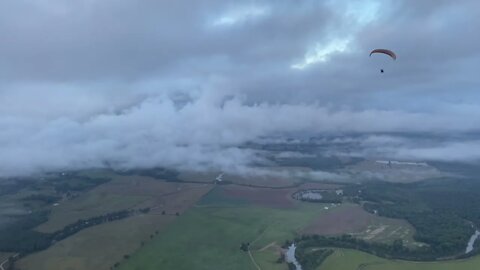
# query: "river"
(290, 256)
(472, 241)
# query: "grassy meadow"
(209, 235)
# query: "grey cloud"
(146, 83)
(202, 133)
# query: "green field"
(386, 230)
(98, 247)
(352, 260)
(86, 206)
(354, 220)
(208, 236)
(102, 246)
(266, 259)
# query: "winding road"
(249, 252)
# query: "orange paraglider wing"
(385, 51)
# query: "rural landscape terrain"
(239, 135)
(155, 218)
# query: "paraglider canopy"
(385, 51)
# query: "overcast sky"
(180, 83)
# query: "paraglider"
(386, 52)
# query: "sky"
(183, 83)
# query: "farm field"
(351, 260)
(87, 206)
(268, 197)
(101, 246)
(98, 247)
(213, 231)
(353, 219)
(267, 258)
(124, 192)
(209, 222)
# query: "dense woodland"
(444, 213)
(311, 259)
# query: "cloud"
(239, 15)
(204, 132)
(465, 151)
(146, 83)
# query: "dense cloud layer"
(183, 83)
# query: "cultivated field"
(354, 220)
(270, 177)
(212, 232)
(267, 197)
(277, 198)
(266, 259)
(86, 206)
(124, 192)
(353, 260)
(100, 247)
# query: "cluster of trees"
(446, 233)
(85, 223)
(445, 225)
(466, 194)
(144, 210)
(19, 235)
(157, 173)
(76, 183)
(390, 251)
(245, 246)
(11, 186)
(44, 198)
(312, 259)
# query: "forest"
(444, 213)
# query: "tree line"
(20, 236)
(444, 225)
